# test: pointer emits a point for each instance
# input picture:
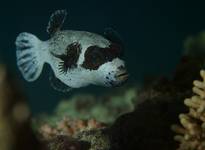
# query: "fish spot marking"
(95, 56)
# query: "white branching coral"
(191, 132)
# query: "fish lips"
(121, 78)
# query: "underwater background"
(153, 32)
(161, 107)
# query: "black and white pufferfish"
(77, 58)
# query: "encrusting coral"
(63, 142)
(98, 139)
(191, 132)
(81, 134)
(69, 127)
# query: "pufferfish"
(77, 58)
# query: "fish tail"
(29, 56)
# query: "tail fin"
(28, 54)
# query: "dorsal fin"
(56, 21)
(113, 36)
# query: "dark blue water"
(153, 33)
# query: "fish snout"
(122, 74)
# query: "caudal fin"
(28, 54)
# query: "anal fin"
(57, 84)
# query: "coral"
(15, 130)
(98, 139)
(195, 46)
(62, 142)
(92, 139)
(84, 118)
(68, 127)
(105, 108)
(191, 132)
(76, 134)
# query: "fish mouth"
(122, 76)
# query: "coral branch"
(191, 133)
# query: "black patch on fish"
(70, 59)
(95, 56)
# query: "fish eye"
(116, 49)
(96, 57)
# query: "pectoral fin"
(56, 21)
(69, 60)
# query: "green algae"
(104, 109)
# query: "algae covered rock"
(98, 139)
(62, 142)
(75, 135)
(105, 108)
(84, 118)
